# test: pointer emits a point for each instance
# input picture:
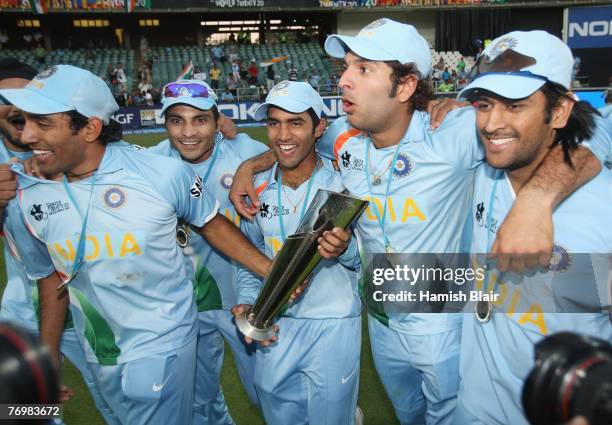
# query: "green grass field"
(378, 410)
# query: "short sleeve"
(457, 138)
(250, 284)
(186, 191)
(248, 147)
(600, 142)
(334, 137)
(31, 252)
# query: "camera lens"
(572, 377)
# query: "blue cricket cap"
(292, 96)
(64, 88)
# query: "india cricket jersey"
(428, 197)
(496, 356)
(215, 284)
(19, 297)
(132, 297)
(332, 291)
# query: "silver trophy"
(297, 259)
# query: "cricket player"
(310, 374)
(109, 227)
(20, 298)
(191, 120)
(420, 186)
(521, 89)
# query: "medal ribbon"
(80, 253)
(381, 221)
(278, 196)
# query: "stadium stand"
(97, 62)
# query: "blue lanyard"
(80, 253)
(489, 224)
(304, 204)
(381, 221)
(212, 162)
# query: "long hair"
(111, 132)
(424, 89)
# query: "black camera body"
(572, 377)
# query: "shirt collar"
(321, 173)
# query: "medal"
(390, 249)
(182, 237)
(483, 311)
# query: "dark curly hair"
(424, 89)
(111, 132)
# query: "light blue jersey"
(216, 274)
(315, 380)
(18, 299)
(428, 198)
(132, 297)
(332, 291)
(600, 142)
(496, 356)
(215, 283)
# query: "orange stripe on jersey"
(342, 139)
(261, 187)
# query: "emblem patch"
(114, 197)
(403, 165)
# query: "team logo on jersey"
(403, 166)
(264, 210)
(479, 210)
(350, 162)
(505, 43)
(114, 197)
(269, 211)
(346, 159)
(37, 212)
(46, 73)
(226, 180)
(196, 188)
(560, 259)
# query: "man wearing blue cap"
(191, 118)
(521, 89)
(421, 182)
(110, 231)
(20, 298)
(310, 374)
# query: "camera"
(572, 377)
(27, 374)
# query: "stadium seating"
(169, 61)
(98, 64)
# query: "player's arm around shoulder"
(337, 133)
(246, 147)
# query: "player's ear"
(406, 88)
(92, 129)
(561, 112)
(320, 128)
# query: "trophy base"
(251, 331)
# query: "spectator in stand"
(270, 77)
(330, 84)
(453, 77)
(136, 98)
(227, 96)
(41, 54)
(436, 76)
(122, 98)
(218, 53)
(446, 75)
(236, 70)
(121, 77)
(292, 74)
(314, 80)
(232, 38)
(148, 98)
(231, 83)
(460, 65)
(112, 76)
(215, 74)
(253, 73)
(440, 64)
(233, 53)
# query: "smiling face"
(191, 131)
(11, 119)
(292, 137)
(56, 147)
(515, 133)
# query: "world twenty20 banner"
(589, 27)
